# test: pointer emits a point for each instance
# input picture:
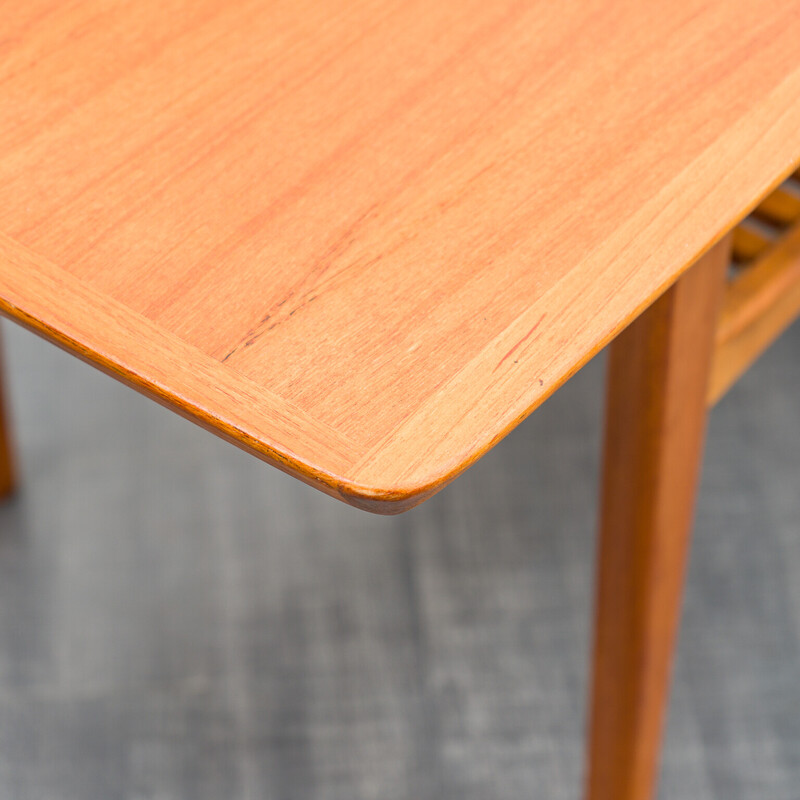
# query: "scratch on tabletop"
(520, 342)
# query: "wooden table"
(363, 240)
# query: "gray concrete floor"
(178, 620)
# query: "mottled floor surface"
(178, 620)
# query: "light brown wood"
(8, 468)
(759, 305)
(655, 421)
(365, 239)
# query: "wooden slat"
(782, 207)
(760, 303)
(751, 239)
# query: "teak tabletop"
(364, 240)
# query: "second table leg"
(8, 473)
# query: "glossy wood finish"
(365, 239)
(8, 469)
(657, 384)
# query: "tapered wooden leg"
(8, 473)
(658, 377)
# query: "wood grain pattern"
(655, 422)
(759, 305)
(365, 239)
